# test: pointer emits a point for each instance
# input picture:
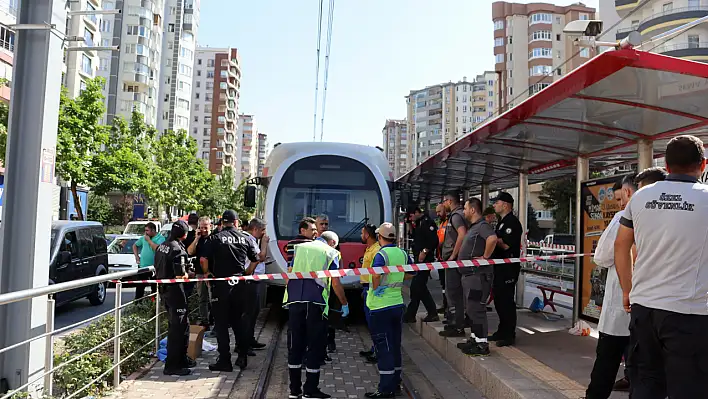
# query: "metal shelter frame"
(619, 108)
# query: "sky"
(380, 50)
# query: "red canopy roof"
(599, 111)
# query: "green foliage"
(99, 209)
(534, 232)
(4, 115)
(558, 195)
(89, 367)
(80, 135)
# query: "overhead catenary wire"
(326, 71)
(317, 70)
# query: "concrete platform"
(546, 362)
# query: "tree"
(125, 162)
(534, 232)
(559, 195)
(4, 115)
(99, 209)
(80, 136)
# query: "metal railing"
(50, 332)
(673, 11)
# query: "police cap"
(179, 229)
(229, 216)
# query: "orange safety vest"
(441, 236)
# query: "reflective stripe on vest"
(391, 282)
(310, 257)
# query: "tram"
(350, 183)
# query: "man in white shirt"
(255, 232)
(614, 320)
(667, 290)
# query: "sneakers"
(222, 366)
(480, 349)
(251, 352)
(294, 395)
(316, 395)
(621, 385)
(467, 344)
(453, 333)
(372, 359)
(378, 394)
(327, 358)
(241, 362)
(431, 318)
(178, 372)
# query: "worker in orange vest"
(442, 215)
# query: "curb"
(507, 374)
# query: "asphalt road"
(79, 310)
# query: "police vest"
(392, 282)
(310, 257)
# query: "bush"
(82, 371)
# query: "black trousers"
(307, 330)
(175, 301)
(609, 352)
(420, 293)
(140, 290)
(668, 354)
(255, 306)
(230, 304)
(505, 278)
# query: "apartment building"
(8, 17)
(181, 24)
(530, 48)
(247, 150)
(395, 145)
(262, 152)
(134, 72)
(214, 109)
(440, 114)
(659, 16)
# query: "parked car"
(120, 253)
(78, 250)
(138, 226)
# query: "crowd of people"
(654, 309)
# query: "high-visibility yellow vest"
(393, 282)
(314, 256)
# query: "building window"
(82, 86)
(185, 70)
(182, 104)
(542, 52)
(541, 35)
(105, 42)
(219, 155)
(135, 30)
(199, 84)
(106, 25)
(205, 154)
(222, 74)
(693, 41)
(585, 53)
(171, 27)
(490, 104)
(558, 38)
(511, 40)
(207, 120)
(499, 24)
(511, 91)
(186, 53)
(464, 108)
(537, 87)
(540, 70)
(490, 93)
(196, 119)
(210, 63)
(499, 58)
(7, 38)
(584, 17)
(86, 64)
(499, 41)
(210, 74)
(540, 18)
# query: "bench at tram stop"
(549, 300)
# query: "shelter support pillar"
(582, 174)
(485, 195)
(645, 155)
(29, 183)
(522, 212)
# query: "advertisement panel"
(599, 206)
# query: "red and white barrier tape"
(552, 246)
(416, 267)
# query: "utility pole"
(29, 182)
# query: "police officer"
(229, 249)
(509, 232)
(307, 301)
(425, 242)
(170, 263)
(385, 303)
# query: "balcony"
(232, 84)
(668, 19)
(624, 7)
(624, 32)
(684, 50)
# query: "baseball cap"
(229, 216)
(179, 229)
(386, 230)
(504, 196)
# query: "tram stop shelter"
(620, 107)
